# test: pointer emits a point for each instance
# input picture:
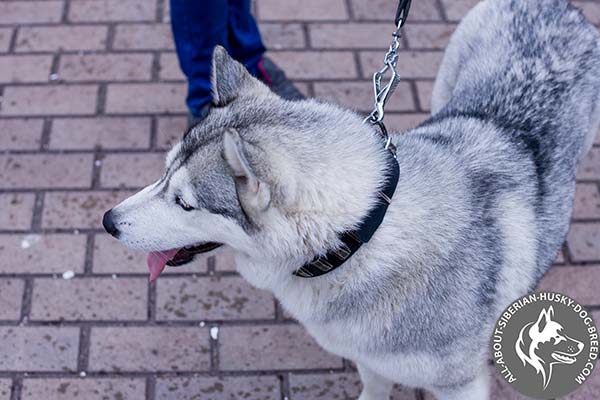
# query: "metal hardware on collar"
(383, 92)
(351, 241)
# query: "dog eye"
(183, 204)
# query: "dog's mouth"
(563, 358)
(158, 260)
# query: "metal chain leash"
(383, 92)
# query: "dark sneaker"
(275, 78)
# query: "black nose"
(109, 223)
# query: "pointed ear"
(227, 76)
(254, 195)
(543, 319)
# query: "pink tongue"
(157, 260)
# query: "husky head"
(543, 344)
(255, 175)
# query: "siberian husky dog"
(480, 210)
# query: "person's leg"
(197, 28)
(245, 44)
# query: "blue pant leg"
(198, 25)
(245, 43)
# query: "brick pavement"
(91, 96)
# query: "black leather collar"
(353, 240)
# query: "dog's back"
(532, 68)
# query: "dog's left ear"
(254, 195)
(227, 77)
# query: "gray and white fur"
(481, 209)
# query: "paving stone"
(112, 10)
(587, 201)
(170, 131)
(580, 283)
(131, 170)
(87, 389)
(356, 36)
(79, 209)
(105, 67)
(384, 10)
(428, 36)
(304, 10)
(11, 296)
(45, 170)
(316, 65)
(144, 36)
(584, 241)
(149, 349)
(335, 386)
(5, 388)
(591, 9)
(456, 9)
(24, 12)
(411, 64)
(211, 298)
(49, 100)
(62, 37)
(169, 69)
(112, 257)
(100, 133)
(277, 36)
(43, 348)
(403, 122)
(424, 91)
(271, 347)
(20, 134)
(5, 35)
(223, 388)
(590, 166)
(18, 69)
(146, 98)
(41, 254)
(224, 261)
(89, 299)
(359, 95)
(17, 210)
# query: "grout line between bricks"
(284, 385)
(89, 255)
(65, 13)
(26, 301)
(83, 357)
(16, 388)
(160, 11)
(13, 40)
(151, 387)
(442, 10)
(38, 206)
(151, 307)
(153, 137)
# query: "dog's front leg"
(375, 387)
(475, 389)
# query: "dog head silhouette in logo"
(543, 343)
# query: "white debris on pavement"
(82, 374)
(98, 163)
(214, 332)
(202, 324)
(53, 77)
(68, 274)
(114, 276)
(29, 241)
